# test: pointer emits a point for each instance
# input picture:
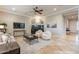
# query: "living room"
(49, 26)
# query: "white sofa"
(46, 35)
(39, 33)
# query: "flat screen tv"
(18, 25)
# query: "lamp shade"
(1, 26)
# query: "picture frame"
(54, 26)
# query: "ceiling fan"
(37, 10)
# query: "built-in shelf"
(19, 32)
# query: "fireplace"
(35, 28)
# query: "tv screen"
(18, 25)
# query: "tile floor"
(68, 44)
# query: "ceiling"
(27, 10)
(71, 14)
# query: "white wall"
(59, 20)
(9, 19)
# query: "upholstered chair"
(46, 35)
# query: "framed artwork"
(54, 26)
(51, 26)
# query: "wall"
(9, 19)
(59, 20)
(78, 23)
(55, 19)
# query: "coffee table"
(30, 38)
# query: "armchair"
(46, 35)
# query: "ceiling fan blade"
(36, 9)
(41, 10)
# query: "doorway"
(71, 19)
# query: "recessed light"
(55, 9)
(13, 9)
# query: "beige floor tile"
(60, 45)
